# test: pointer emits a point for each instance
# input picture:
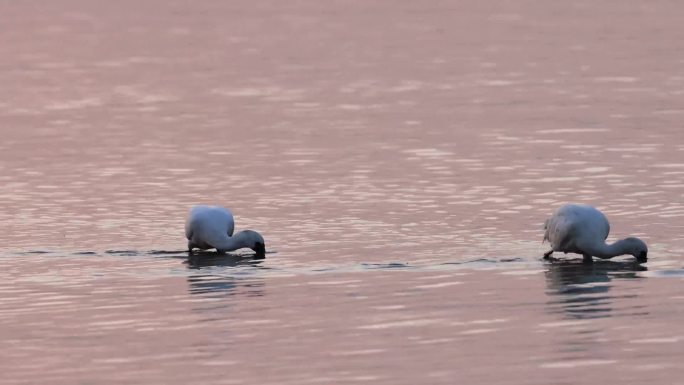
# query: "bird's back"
(207, 222)
(572, 223)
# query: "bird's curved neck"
(605, 250)
(232, 243)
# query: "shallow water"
(399, 159)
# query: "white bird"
(211, 227)
(582, 229)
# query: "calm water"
(399, 159)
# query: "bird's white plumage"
(208, 226)
(573, 225)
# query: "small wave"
(391, 265)
(122, 252)
(669, 273)
(166, 252)
(486, 260)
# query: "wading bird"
(582, 229)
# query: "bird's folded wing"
(559, 231)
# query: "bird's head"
(637, 248)
(254, 241)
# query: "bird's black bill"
(642, 257)
(260, 250)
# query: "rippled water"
(398, 157)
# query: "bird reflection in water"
(581, 290)
(198, 260)
(223, 275)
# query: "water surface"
(399, 159)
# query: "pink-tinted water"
(399, 158)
